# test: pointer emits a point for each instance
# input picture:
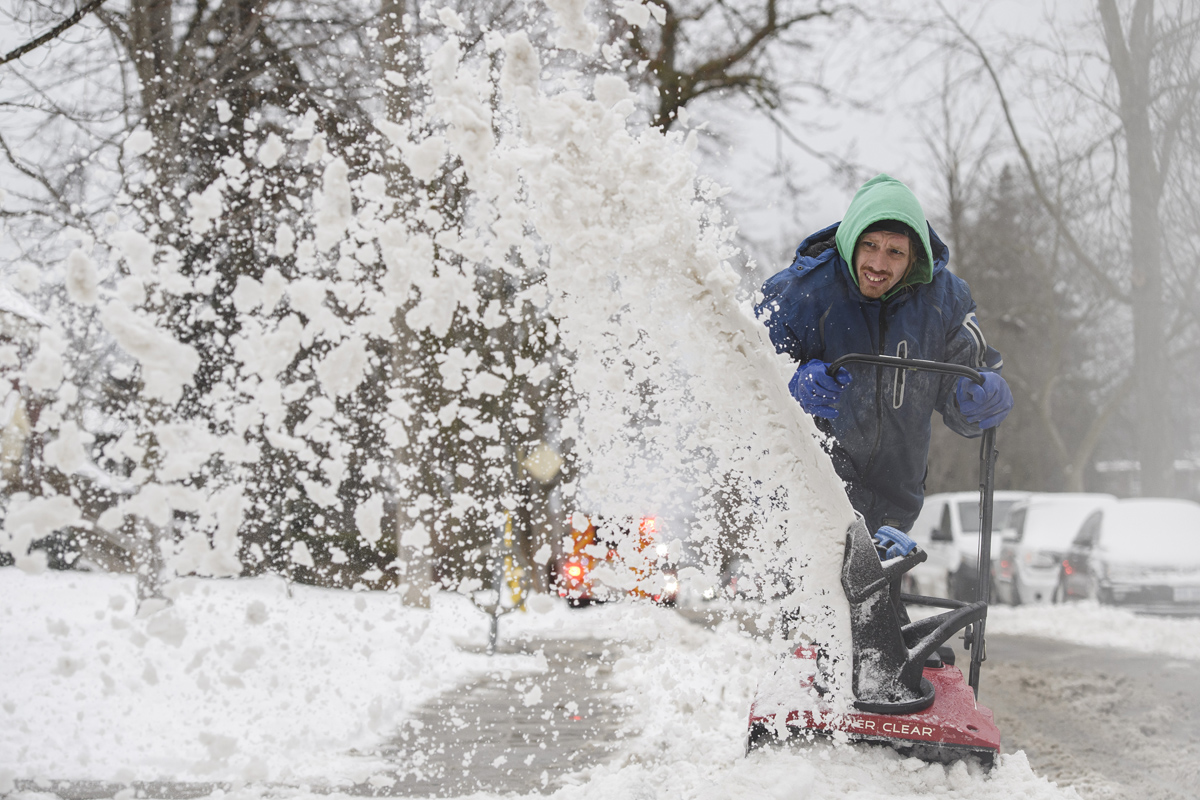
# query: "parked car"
(1142, 553)
(948, 530)
(1034, 543)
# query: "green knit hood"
(880, 198)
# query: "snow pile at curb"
(1094, 625)
(235, 681)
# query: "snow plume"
(382, 343)
(574, 29)
(677, 395)
(167, 365)
(677, 387)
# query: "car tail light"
(1067, 568)
(575, 571)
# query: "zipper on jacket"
(899, 381)
(878, 392)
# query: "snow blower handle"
(987, 483)
(918, 364)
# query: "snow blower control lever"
(899, 553)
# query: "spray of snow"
(139, 142)
(574, 29)
(635, 254)
(167, 365)
(82, 280)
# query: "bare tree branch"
(1051, 207)
(54, 32)
(836, 162)
(751, 32)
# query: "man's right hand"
(816, 390)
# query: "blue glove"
(816, 390)
(987, 405)
(894, 541)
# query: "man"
(877, 283)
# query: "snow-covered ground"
(235, 681)
(239, 682)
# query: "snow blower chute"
(907, 691)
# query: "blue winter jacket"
(880, 438)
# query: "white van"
(948, 530)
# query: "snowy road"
(1111, 723)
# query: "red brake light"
(1067, 568)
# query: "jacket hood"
(819, 248)
(883, 198)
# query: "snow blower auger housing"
(907, 691)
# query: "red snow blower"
(907, 692)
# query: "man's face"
(881, 260)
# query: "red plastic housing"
(955, 722)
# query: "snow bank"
(236, 681)
(1094, 625)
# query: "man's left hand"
(986, 405)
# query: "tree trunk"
(1130, 63)
(149, 562)
(400, 60)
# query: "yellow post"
(513, 571)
